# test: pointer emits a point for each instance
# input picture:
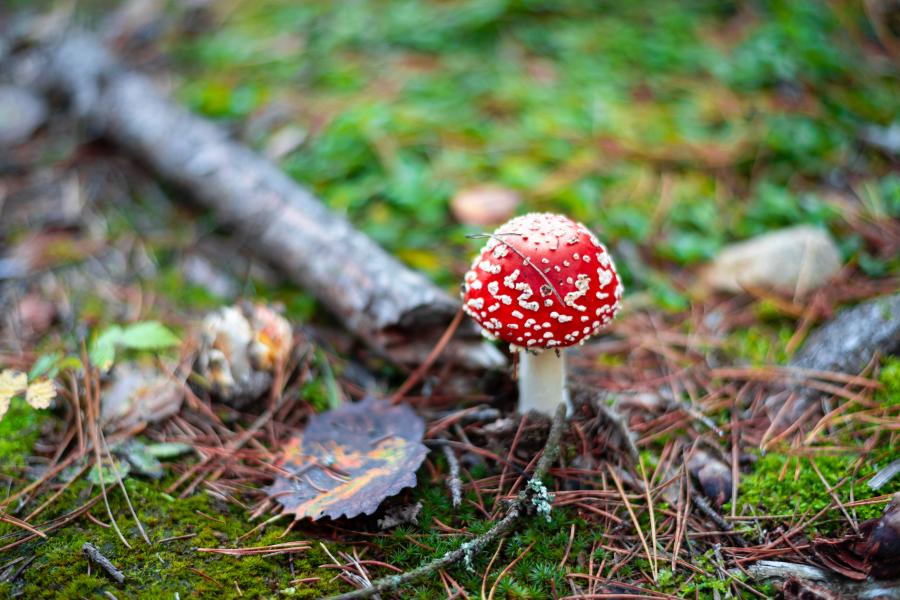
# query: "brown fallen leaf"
(36, 313)
(137, 395)
(484, 205)
(348, 460)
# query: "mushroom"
(542, 282)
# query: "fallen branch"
(785, 572)
(524, 504)
(396, 311)
(453, 482)
(95, 556)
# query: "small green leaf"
(140, 458)
(148, 335)
(108, 473)
(168, 449)
(70, 362)
(46, 364)
(103, 350)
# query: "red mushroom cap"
(542, 281)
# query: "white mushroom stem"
(542, 382)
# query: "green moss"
(760, 344)
(800, 491)
(165, 568)
(890, 379)
(19, 430)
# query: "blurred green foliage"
(675, 125)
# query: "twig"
(54, 524)
(93, 425)
(522, 505)
(24, 525)
(506, 570)
(884, 475)
(94, 555)
(283, 548)
(526, 261)
(21, 569)
(651, 510)
(453, 481)
(118, 476)
(420, 371)
(634, 520)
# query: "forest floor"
(670, 131)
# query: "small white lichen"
(541, 498)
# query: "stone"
(21, 113)
(792, 261)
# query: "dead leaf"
(137, 395)
(350, 459)
(484, 205)
(35, 314)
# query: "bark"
(396, 311)
(818, 583)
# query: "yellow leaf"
(11, 383)
(40, 393)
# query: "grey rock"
(21, 113)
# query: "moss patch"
(165, 568)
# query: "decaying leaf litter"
(674, 412)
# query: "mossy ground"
(778, 485)
(670, 127)
(166, 567)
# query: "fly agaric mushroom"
(543, 282)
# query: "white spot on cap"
(605, 277)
